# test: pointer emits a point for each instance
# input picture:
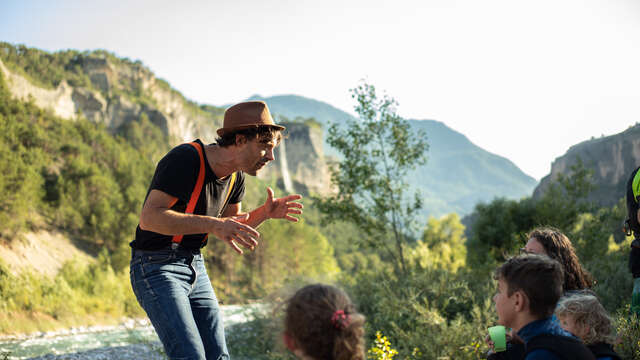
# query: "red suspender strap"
(195, 194)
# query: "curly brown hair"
(558, 246)
(324, 324)
(587, 311)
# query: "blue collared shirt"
(539, 327)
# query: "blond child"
(321, 323)
(584, 316)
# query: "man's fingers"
(292, 197)
(234, 246)
(294, 211)
(291, 218)
(249, 230)
(295, 205)
(245, 240)
(269, 195)
(239, 234)
(238, 227)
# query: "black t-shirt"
(176, 175)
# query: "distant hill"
(293, 106)
(611, 158)
(458, 174)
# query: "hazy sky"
(522, 79)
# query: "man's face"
(505, 307)
(256, 154)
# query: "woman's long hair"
(558, 246)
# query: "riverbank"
(74, 342)
(129, 339)
(128, 352)
(124, 323)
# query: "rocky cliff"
(120, 92)
(117, 91)
(301, 165)
(611, 158)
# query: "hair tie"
(340, 320)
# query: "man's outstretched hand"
(234, 231)
(284, 207)
(239, 229)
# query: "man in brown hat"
(197, 189)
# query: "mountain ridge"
(452, 159)
(610, 158)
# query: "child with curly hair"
(584, 316)
(321, 323)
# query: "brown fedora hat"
(246, 115)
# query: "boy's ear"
(521, 301)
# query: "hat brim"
(223, 131)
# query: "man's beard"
(257, 167)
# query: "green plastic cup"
(499, 338)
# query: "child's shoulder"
(603, 350)
(560, 346)
(547, 326)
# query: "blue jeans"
(173, 287)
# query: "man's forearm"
(169, 222)
(257, 217)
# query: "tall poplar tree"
(377, 152)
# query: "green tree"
(498, 228)
(567, 197)
(442, 244)
(377, 152)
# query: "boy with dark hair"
(529, 287)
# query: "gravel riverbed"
(132, 339)
(136, 351)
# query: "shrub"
(629, 335)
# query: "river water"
(130, 340)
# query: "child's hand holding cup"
(498, 337)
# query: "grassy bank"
(22, 323)
(79, 295)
